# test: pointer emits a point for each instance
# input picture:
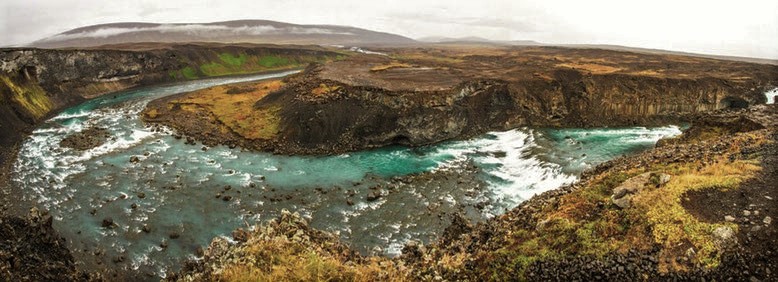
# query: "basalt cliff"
(422, 96)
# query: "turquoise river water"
(173, 185)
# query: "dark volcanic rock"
(459, 225)
(240, 235)
(31, 250)
(373, 196)
(107, 223)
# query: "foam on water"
(771, 96)
(180, 182)
(67, 116)
(514, 173)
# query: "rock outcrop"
(87, 139)
(285, 249)
(31, 250)
(358, 117)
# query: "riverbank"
(700, 207)
(13, 206)
(30, 248)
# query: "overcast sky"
(740, 28)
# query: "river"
(181, 189)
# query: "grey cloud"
(523, 26)
(510, 24)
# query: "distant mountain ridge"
(112, 35)
(670, 52)
(476, 39)
(240, 31)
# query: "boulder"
(240, 235)
(542, 224)
(373, 196)
(664, 178)
(624, 202)
(724, 237)
(659, 179)
(412, 251)
(622, 195)
(107, 222)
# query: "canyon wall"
(577, 99)
(36, 83)
(349, 117)
(356, 103)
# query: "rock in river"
(373, 196)
(107, 222)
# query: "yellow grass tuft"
(323, 89)
(31, 97)
(593, 68)
(236, 111)
(672, 225)
(392, 65)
